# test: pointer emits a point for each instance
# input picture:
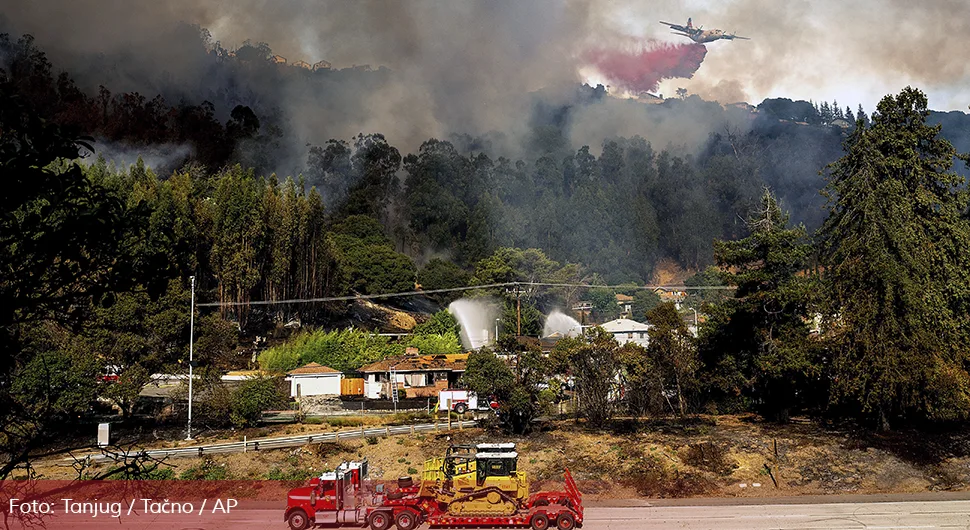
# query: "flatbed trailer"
(344, 499)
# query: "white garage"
(314, 380)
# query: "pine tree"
(756, 342)
(861, 116)
(825, 112)
(896, 269)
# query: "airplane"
(698, 34)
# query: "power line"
(465, 288)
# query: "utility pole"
(191, 358)
(518, 308)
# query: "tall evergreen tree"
(757, 341)
(893, 248)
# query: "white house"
(626, 330)
(314, 380)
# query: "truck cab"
(334, 498)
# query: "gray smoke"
(473, 66)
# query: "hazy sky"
(855, 51)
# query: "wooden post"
(244, 444)
(387, 430)
(412, 429)
(336, 436)
(461, 421)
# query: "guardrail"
(283, 442)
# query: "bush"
(160, 473)
(207, 470)
(371, 440)
(253, 397)
(290, 474)
(343, 350)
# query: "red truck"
(346, 498)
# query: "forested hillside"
(616, 206)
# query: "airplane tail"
(690, 23)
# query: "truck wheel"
(566, 521)
(540, 521)
(379, 520)
(406, 520)
(298, 520)
(461, 408)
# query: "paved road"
(867, 515)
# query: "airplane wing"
(675, 27)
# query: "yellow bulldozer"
(476, 480)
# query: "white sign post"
(104, 434)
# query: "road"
(918, 514)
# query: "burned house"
(417, 375)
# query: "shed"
(314, 380)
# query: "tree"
(604, 304)
(515, 387)
(440, 323)
(643, 302)
(673, 351)
(66, 244)
(371, 268)
(761, 334)
(441, 274)
(896, 271)
(594, 361)
(862, 116)
(254, 396)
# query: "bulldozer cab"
(495, 465)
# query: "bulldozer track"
(475, 495)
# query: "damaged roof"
(419, 363)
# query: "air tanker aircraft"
(699, 35)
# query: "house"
(278, 59)
(626, 305)
(417, 375)
(314, 380)
(626, 330)
(670, 295)
(321, 65)
(302, 64)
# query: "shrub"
(253, 397)
(207, 470)
(160, 473)
(290, 474)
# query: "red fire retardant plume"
(643, 70)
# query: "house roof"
(624, 324)
(620, 297)
(419, 363)
(313, 369)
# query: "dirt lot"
(704, 456)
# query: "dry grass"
(660, 458)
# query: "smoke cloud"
(643, 69)
(474, 67)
